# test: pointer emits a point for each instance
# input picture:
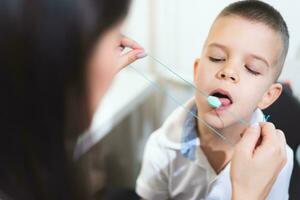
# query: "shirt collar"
(190, 140)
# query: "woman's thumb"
(250, 137)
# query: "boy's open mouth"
(223, 96)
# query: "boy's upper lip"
(223, 92)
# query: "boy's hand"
(136, 52)
(257, 161)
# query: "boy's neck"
(231, 133)
(217, 151)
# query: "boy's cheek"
(248, 103)
(201, 103)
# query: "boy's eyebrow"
(218, 45)
(261, 59)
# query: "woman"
(58, 58)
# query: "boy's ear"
(270, 96)
(196, 67)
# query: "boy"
(240, 63)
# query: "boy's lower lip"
(221, 108)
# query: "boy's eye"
(252, 71)
(216, 59)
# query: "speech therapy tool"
(88, 139)
(212, 101)
(163, 91)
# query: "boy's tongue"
(225, 101)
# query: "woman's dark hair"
(44, 45)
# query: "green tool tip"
(214, 101)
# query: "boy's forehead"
(238, 34)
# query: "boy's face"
(238, 64)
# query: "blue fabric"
(189, 135)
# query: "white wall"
(291, 12)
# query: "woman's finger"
(272, 145)
(126, 58)
(268, 134)
(250, 138)
(130, 57)
(282, 141)
(127, 42)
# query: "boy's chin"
(216, 121)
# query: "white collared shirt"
(174, 167)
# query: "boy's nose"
(229, 74)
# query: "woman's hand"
(108, 58)
(136, 52)
(257, 161)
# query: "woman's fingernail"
(255, 125)
(141, 55)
